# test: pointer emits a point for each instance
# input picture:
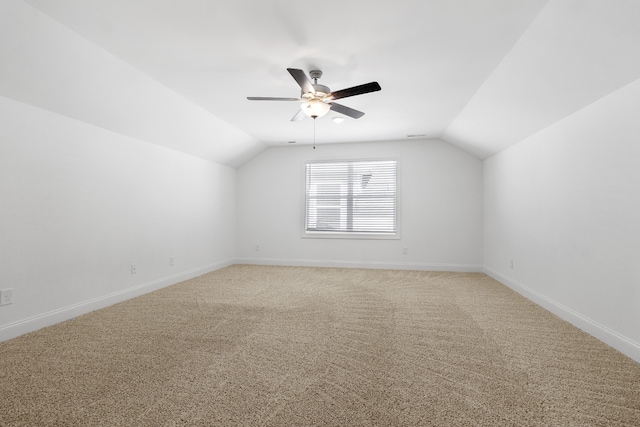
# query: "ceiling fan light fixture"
(315, 108)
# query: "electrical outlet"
(257, 248)
(6, 296)
(170, 261)
(133, 268)
(405, 251)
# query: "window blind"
(354, 196)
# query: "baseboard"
(34, 323)
(462, 268)
(604, 334)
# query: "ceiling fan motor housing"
(321, 90)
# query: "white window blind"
(354, 196)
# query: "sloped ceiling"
(482, 75)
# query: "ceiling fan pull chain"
(314, 133)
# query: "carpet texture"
(293, 346)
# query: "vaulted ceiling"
(481, 75)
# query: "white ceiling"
(481, 75)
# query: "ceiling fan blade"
(347, 111)
(356, 90)
(302, 80)
(299, 116)
(269, 98)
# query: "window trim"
(351, 235)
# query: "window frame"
(349, 234)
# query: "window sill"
(354, 236)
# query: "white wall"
(79, 204)
(565, 206)
(440, 209)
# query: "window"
(351, 197)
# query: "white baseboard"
(604, 334)
(462, 268)
(34, 323)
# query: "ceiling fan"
(318, 99)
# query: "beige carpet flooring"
(294, 346)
